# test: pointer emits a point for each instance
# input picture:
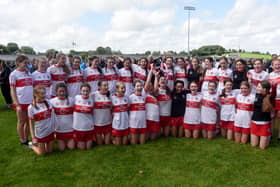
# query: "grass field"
(164, 162)
(252, 55)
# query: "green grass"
(164, 162)
(252, 55)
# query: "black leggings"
(5, 88)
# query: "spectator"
(4, 83)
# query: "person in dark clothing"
(268, 65)
(261, 119)
(178, 109)
(4, 83)
(239, 74)
(195, 72)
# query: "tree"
(156, 53)
(211, 50)
(183, 53)
(3, 49)
(27, 50)
(101, 50)
(108, 51)
(148, 53)
(12, 47)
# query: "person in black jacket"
(239, 74)
(4, 83)
(195, 72)
(261, 120)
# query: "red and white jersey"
(165, 102)
(43, 119)
(83, 114)
(22, 81)
(44, 79)
(125, 76)
(274, 79)
(244, 112)
(92, 76)
(63, 114)
(181, 74)
(210, 75)
(223, 74)
(102, 109)
(228, 106)
(169, 74)
(74, 81)
(139, 73)
(256, 78)
(193, 112)
(57, 76)
(111, 76)
(209, 107)
(137, 111)
(120, 112)
(152, 108)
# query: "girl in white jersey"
(40, 114)
(224, 73)
(83, 122)
(180, 72)
(256, 75)
(102, 114)
(75, 78)
(209, 111)
(210, 74)
(93, 74)
(41, 76)
(192, 115)
(22, 94)
(152, 109)
(245, 107)
(120, 115)
(140, 72)
(63, 112)
(227, 114)
(126, 76)
(110, 74)
(58, 72)
(137, 115)
(163, 94)
(169, 72)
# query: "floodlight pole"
(189, 9)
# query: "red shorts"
(153, 126)
(138, 130)
(241, 130)
(164, 121)
(82, 136)
(45, 139)
(226, 124)
(120, 133)
(24, 107)
(177, 121)
(103, 129)
(64, 135)
(192, 126)
(277, 104)
(208, 127)
(261, 130)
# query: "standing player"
(224, 73)
(126, 76)
(110, 74)
(180, 72)
(83, 123)
(169, 72)
(41, 122)
(102, 113)
(22, 94)
(75, 78)
(140, 72)
(93, 74)
(210, 74)
(63, 111)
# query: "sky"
(135, 26)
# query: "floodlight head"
(189, 8)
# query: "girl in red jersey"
(93, 74)
(137, 114)
(261, 119)
(75, 78)
(63, 111)
(83, 123)
(58, 72)
(209, 111)
(41, 76)
(163, 94)
(41, 122)
(245, 107)
(120, 115)
(227, 114)
(102, 113)
(193, 112)
(22, 94)
(152, 110)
